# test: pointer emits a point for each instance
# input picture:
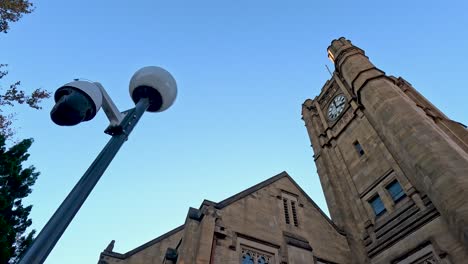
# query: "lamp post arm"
(53, 230)
(112, 113)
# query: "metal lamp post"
(153, 89)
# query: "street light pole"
(53, 230)
(152, 88)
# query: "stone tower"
(393, 167)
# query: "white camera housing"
(76, 102)
(79, 101)
(155, 83)
(89, 88)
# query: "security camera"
(80, 101)
(157, 85)
(76, 102)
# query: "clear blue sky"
(243, 69)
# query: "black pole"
(53, 230)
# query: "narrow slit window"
(395, 191)
(377, 205)
(294, 212)
(358, 148)
(286, 211)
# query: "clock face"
(336, 107)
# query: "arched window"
(262, 260)
(255, 256)
(247, 259)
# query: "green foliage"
(14, 95)
(15, 184)
(15, 181)
(12, 11)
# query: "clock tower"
(393, 167)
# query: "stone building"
(394, 170)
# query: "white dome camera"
(80, 101)
(157, 85)
(76, 102)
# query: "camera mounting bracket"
(112, 112)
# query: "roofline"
(263, 184)
(146, 245)
(224, 203)
(339, 230)
(250, 190)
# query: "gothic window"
(358, 148)
(247, 259)
(395, 191)
(253, 256)
(377, 205)
(262, 260)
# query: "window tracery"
(251, 256)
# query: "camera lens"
(72, 108)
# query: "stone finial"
(110, 247)
(195, 214)
(308, 105)
(337, 46)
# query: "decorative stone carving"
(327, 95)
(309, 105)
(252, 256)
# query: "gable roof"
(147, 244)
(263, 184)
(224, 203)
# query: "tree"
(12, 11)
(15, 181)
(15, 184)
(14, 95)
